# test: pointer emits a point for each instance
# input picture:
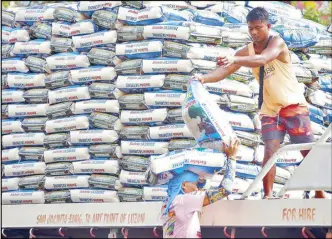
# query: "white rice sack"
(316, 114)
(204, 66)
(242, 104)
(93, 196)
(245, 154)
(12, 96)
(128, 178)
(68, 13)
(135, 132)
(207, 17)
(321, 98)
(83, 27)
(66, 182)
(173, 161)
(62, 45)
(34, 14)
(132, 102)
(143, 117)
(96, 166)
(206, 121)
(139, 50)
(285, 159)
(99, 56)
(254, 86)
(7, 51)
(92, 74)
(130, 33)
(247, 171)
(145, 16)
(170, 131)
(176, 15)
(235, 14)
(67, 124)
(209, 53)
(24, 169)
(10, 155)
(278, 8)
(26, 110)
(317, 129)
(89, 106)
(67, 61)
(23, 197)
(296, 36)
(205, 34)
(303, 74)
(11, 126)
(249, 139)
(66, 155)
(154, 193)
(240, 121)
(61, 29)
(282, 175)
(135, 163)
(9, 184)
(180, 144)
(12, 35)
(320, 64)
(167, 66)
(105, 121)
(164, 98)
(104, 90)
(199, 160)
(71, 93)
(143, 147)
(138, 84)
(130, 194)
(204, 162)
(244, 75)
(178, 5)
(30, 80)
(36, 95)
(14, 65)
(166, 32)
(239, 185)
(229, 87)
(294, 194)
(93, 136)
(94, 39)
(87, 6)
(32, 47)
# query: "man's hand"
(225, 60)
(232, 149)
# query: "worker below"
(185, 202)
(282, 105)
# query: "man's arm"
(269, 54)
(222, 72)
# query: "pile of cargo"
(91, 91)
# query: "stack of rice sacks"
(92, 90)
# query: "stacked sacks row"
(121, 81)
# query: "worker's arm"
(222, 72)
(269, 54)
(226, 184)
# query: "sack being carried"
(206, 121)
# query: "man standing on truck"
(283, 107)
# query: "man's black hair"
(258, 13)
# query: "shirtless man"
(283, 107)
